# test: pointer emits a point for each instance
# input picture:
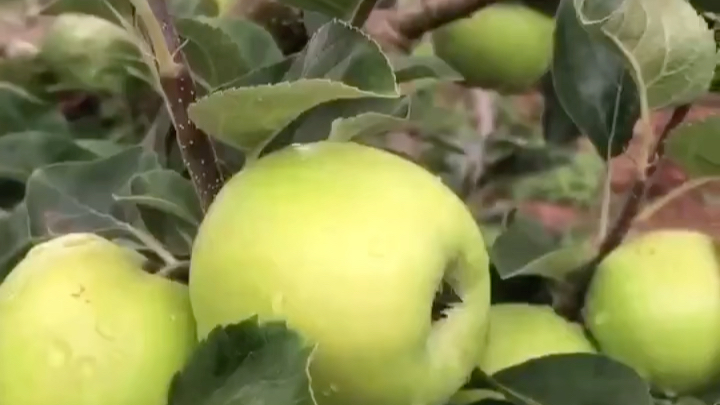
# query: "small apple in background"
(83, 324)
(505, 46)
(348, 244)
(654, 304)
(92, 53)
(521, 332)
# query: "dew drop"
(105, 331)
(59, 354)
(278, 304)
(87, 367)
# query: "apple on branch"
(654, 304)
(504, 46)
(349, 245)
(84, 324)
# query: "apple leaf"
(21, 111)
(169, 207)
(413, 67)
(669, 50)
(339, 63)
(592, 85)
(101, 147)
(245, 363)
(571, 379)
(80, 196)
(711, 6)
(221, 50)
(247, 118)
(521, 248)
(23, 152)
(316, 124)
(365, 125)
(558, 126)
(14, 237)
(695, 147)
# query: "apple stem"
(580, 281)
(179, 91)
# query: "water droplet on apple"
(105, 331)
(333, 387)
(87, 367)
(59, 353)
(278, 304)
(600, 318)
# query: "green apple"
(505, 46)
(349, 244)
(83, 324)
(521, 332)
(654, 304)
(91, 53)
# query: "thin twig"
(581, 279)
(179, 92)
(362, 12)
(403, 26)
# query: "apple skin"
(348, 245)
(521, 332)
(83, 324)
(504, 46)
(654, 304)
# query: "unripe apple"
(654, 304)
(83, 324)
(349, 244)
(521, 332)
(91, 53)
(504, 46)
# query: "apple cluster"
(349, 245)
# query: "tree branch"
(403, 26)
(581, 281)
(179, 92)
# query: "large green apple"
(349, 244)
(521, 332)
(654, 304)
(505, 46)
(83, 324)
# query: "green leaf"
(558, 126)
(414, 67)
(523, 243)
(706, 5)
(222, 50)
(339, 63)
(316, 124)
(343, 53)
(80, 196)
(571, 379)
(592, 84)
(23, 152)
(14, 237)
(247, 118)
(695, 147)
(166, 191)
(245, 363)
(101, 147)
(669, 50)
(365, 125)
(21, 111)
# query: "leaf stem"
(178, 91)
(154, 245)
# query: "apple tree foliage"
(84, 148)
